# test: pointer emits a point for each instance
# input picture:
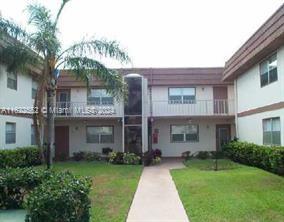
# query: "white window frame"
(34, 88)
(185, 140)
(182, 95)
(265, 65)
(100, 135)
(102, 93)
(14, 133)
(272, 122)
(12, 80)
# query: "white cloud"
(160, 33)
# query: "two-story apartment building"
(257, 70)
(17, 93)
(173, 109)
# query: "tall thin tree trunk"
(50, 125)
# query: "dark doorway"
(133, 139)
(223, 135)
(61, 142)
(220, 95)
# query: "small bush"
(16, 183)
(78, 156)
(20, 157)
(217, 154)
(147, 158)
(116, 157)
(186, 155)
(157, 153)
(265, 157)
(131, 159)
(202, 155)
(156, 160)
(86, 155)
(62, 198)
(106, 150)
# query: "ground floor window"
(33, 140)
(99, 134)
(10, 133)
(184, 133)
(271, 131)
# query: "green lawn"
(236, 193)
(113, 187)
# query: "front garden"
(83, 190)
(233, 193)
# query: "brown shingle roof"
(158, 77)
(264, 41)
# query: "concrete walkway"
(156, 198)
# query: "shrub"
(106, 150)
(156, 160)
(78, 156)
(202, 155)
(186, 155)
(148, 158)
(217, 154)
(20, 157)
(86, 155)
(131, 159)
(157, 153)
(116, 157)
(16, 183)
(265, 157)
(62, 198)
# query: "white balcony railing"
(193, 108)
(81, 109)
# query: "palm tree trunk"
(50, 126)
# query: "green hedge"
(62, 198)
(265, 157)
(46, 195)
(16, 183)
(20, 157)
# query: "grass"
(235, 193)
(113, 187)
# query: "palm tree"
(41, 49)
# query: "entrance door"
(220, 95)
(133, 139)
(61, 142)
(223, 135)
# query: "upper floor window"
(268, 70)
(12, 80)
(99, 97)
(34, 88)
(10, 133)
(184, 133)
(271, 131)
(99, 134)
(181, 95)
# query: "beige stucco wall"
(23, 131)
(249, 92)
(207, 135)
(250, 127)
(77, 134)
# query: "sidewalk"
(156, 198)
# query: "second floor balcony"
(193, 108)
(83, 109)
